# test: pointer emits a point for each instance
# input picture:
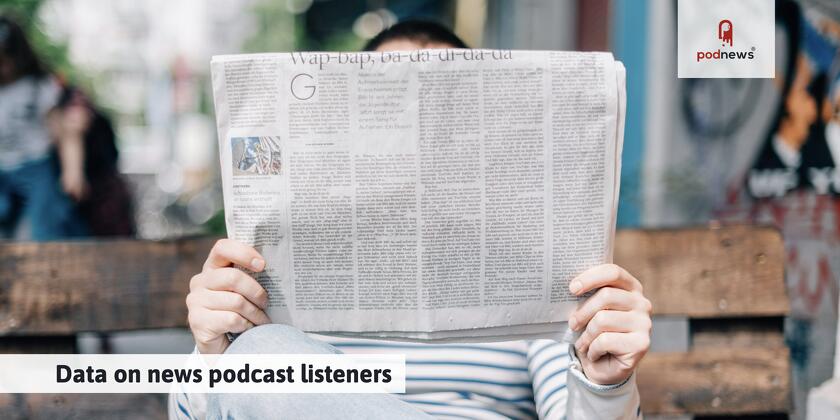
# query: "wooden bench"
(728, 283)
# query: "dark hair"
(15, 47)
(419, 31)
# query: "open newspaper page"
(423, 195)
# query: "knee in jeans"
(277, 339)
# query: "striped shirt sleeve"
(561, 389)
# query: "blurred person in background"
(31, 127)
(106, 207)
(58, 155)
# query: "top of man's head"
(419, 32)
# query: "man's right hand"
(224, 299)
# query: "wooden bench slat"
(708, 273)
(60, 288)
(67, 287)
(722, 381)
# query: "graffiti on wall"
(768, 151)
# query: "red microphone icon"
(725, 32)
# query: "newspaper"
(431, 195)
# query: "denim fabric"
(33, 193)
(283, 339)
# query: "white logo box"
(705, 29)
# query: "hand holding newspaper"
(427, 195)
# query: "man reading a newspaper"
(593, 378)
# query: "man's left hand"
(614, 322)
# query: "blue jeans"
(33, 193)
(283, 339)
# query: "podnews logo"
(726, 39)
(725, 34)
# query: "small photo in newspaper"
(256, 156)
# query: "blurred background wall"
(693, 148)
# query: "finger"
(612, 321)
(605, 321)
(232, 280)
(228, 301)
(220, 322)
(604, 275)
(607, 298)
(208, 326)
(234, 302)
(619, 344)
(227, 252)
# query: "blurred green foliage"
(272, 32)
(279, 30)
(216, 225)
